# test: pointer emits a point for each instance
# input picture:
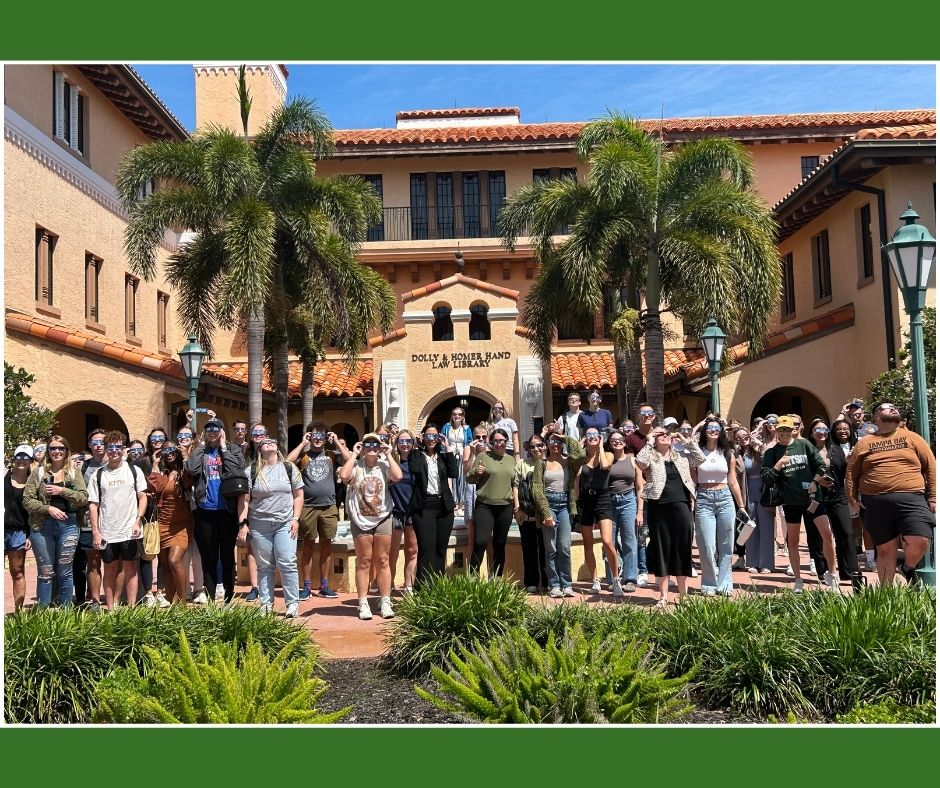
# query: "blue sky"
(368, 96)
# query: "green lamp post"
(191, 357)
(713, 343)
(911, 251)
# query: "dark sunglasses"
(536, 446)
(821, 431)
(169, 450)
(617, 441)
(158, 440)
(51, 449)
(96, 442)
(213, 429)
(431, 437)
(592, 436)
(498, 441)
(258, 433)
(713, 430)
(647, 412)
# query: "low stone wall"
(343, 558)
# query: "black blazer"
(447, 466)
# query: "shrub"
(890, 712)
(543, 621)
(446, 613)
(221, 684)
(55, 657)
(571, 680)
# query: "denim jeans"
(54, 547)
(624, 506)
(714, 531)
(272, 543)
(558, 542)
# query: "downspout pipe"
(886, 281)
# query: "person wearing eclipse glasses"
(432, 467)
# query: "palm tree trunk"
(281, 393)
(306, 388)
(653, 331)
(628, 361)
(255, 331)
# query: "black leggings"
(490, 519)
(533, 555)
(433, 527)
(840, 520)
(215, 533)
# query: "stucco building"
(103, 344)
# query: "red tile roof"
(457, 112)
(568, 132)
(331, 378)
(477, 284)
(597, 370)
(91, 342)
(917, 131)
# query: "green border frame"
(728, 30)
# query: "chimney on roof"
(458, 116)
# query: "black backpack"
(100, 471)
(526, 499)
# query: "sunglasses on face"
(116, 447)
(258, 433)
(821, 431)
(430, 437)
(536, 446)
(184, 436)
(267, 444)
(96, 442)
(592, 436)
(156, 439)
(772, 422)
(406, 442)
(136, 451)
(647, 413)
(713, 430)
(457, 414)
(498, 441)
(317, 436)
(56, 448)
(169, 450)
(370, 445)
(213, 429)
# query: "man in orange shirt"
(891, 474)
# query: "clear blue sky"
(368, 96)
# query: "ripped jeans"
(54, 548)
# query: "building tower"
(217, 93)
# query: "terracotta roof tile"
(568, 132)
(331, 378)
(918, 131)
(478, 284)
(457, 112)
(91, 343)
(391, 336)
(597, 370)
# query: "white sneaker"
(407, 591)
(629, 587)
(694, 572)
(385, 608)
(291, 611)
(616, 588)
(531, 589)
(200, 599)
(555, 592)
(798, 586)
(569, 591)
(789, 571)
(642, 579)
(831, 581)
(365, 612)
(161, 599)
(220, 591)
(596, 586)
(148, 600)
(812, 568)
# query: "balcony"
(435, 223)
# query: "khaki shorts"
(382, 529)
(320, 520)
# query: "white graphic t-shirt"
(369, 501)
(117, 500)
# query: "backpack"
(526, 499)
(134, 470)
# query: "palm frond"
(300, 120)
(704, 159)
(173, 162)
(193, 272)
(621, 129)
(248, 240)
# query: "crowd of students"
(650, 489)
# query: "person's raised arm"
(346, 472)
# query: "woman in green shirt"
(492, 473)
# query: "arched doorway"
(75, 420)
(475, 410)
(790, 399)
(347, 432)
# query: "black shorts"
(794, 514)
(896, 514)
(121, 551)
(594, 508)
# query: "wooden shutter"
(73, 117)
(58, 116)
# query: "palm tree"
(676, 225)
(258, 212)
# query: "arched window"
(479, 322)
(442, 330)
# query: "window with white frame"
(68, 113)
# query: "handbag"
(151, 540)
(234, 483)
(770, 495)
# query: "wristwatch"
(243, 522)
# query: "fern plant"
(571, 679)
(220, 684)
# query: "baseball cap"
(669, 421)
(214, 423)
(23, 448)
(855, 404)
(785, 422)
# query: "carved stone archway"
(446, 394)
